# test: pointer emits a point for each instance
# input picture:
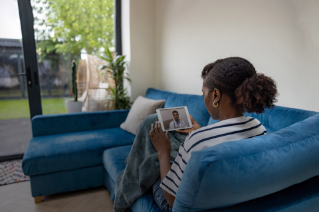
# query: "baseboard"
(11, 157)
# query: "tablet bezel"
(159, 115)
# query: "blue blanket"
(142, 166)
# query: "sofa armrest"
(76, 122)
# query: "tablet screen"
(174, 118)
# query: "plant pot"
(73, 107)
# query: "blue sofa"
(275, 172)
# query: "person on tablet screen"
(176, 123)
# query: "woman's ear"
(216, 95)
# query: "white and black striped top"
(211, 135)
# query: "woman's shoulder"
(223, 126)
(221, 131)
(230, 122)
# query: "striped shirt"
(227, 130)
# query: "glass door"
(66, 31)
(17, 81)
(38, 41)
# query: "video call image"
(174, 119)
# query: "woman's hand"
(160, 139)
(162, 145)
(196, 126)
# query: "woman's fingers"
(156, 127)
(160, 127)
(191, 117)
(151, 131)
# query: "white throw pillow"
(141, 108)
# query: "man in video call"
(176, 123)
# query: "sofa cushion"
(114, 160)
(141, 108)
(195, 105)
(238, 171)
(114, 164)
(69, 151)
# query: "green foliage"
(74, 84)
(19, 108)
(115, 69)
(68, 26)
(119, 96)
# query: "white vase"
(73, 107)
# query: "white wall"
(138, 40)
(280, 38)
(10, 20)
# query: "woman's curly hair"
(237, 78)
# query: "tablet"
(174, 118)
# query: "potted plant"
(115, 69)
(74, 106)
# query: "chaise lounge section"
(274, 172)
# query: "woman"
(231, 86)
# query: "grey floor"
(15, 135)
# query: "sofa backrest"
(157, 94)
(194, 103)
(238, 171)
(273, 119)
(278, 117)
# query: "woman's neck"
(230, 112)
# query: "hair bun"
(256, 93)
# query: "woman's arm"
(164, 168)
(162, 145)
